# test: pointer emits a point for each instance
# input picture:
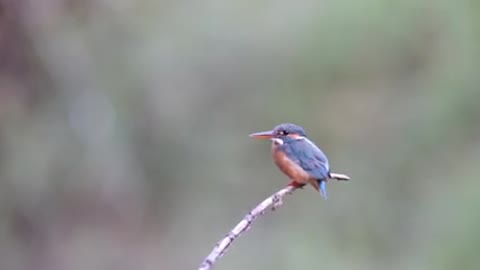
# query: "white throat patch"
(277, 141)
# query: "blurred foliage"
(123, 132)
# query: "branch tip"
(272, 202)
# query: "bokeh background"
(123, 132)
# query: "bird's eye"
(282, 132)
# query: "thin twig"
(271, 202)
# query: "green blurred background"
(123, 132)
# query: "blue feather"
(308, 156)
(323, 188)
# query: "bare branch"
(271, 202)
(339, 176)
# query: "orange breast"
(288, 167)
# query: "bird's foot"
(295, 184)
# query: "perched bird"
(299, 158)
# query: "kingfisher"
(299, 158)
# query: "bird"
(299, 158)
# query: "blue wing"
(309, 157)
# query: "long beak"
(262, 135)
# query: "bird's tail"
(322, 188)
(339, 176)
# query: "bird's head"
(281, 133)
